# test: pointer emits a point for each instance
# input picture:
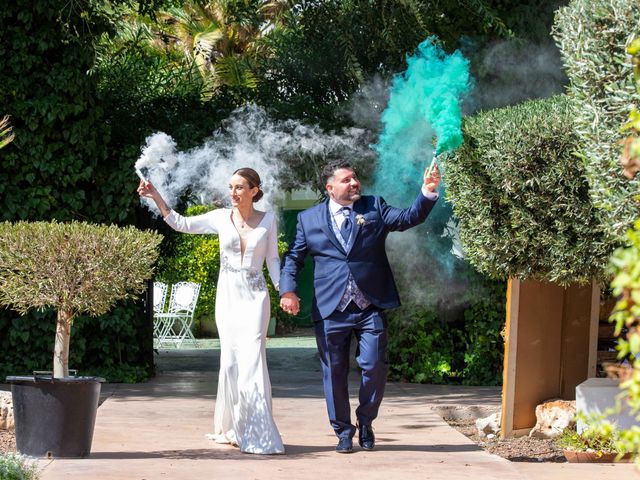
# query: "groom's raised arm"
(398, 219)
(292, 264)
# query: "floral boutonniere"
(360, 219)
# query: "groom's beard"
(340, 194)
(348, 197)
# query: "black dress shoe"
(345, 445)
(366, 438)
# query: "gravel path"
(521, 449)
(7, 441)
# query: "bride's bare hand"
(146, 189)
(290, 303)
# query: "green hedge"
(521, 198)
(117, 346)
(425, 349)
(79, 126)
(60, 133)
(421, 348)
(593, 35)
(58, 166)
(483, 342)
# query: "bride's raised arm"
(205, 223)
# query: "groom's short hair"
(331, 167)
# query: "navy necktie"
(345, 228)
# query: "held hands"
(290, 303)
(431, 182)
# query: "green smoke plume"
(423, 109)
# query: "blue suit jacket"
(366, 259)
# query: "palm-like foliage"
(137, 61)
(132, 31)
(223, 37)
(6, 133)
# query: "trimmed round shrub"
(521, 197)
(421, 347)
(593, 36)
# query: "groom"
(353, 284)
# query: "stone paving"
(156, 430)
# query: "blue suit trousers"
(333, 335)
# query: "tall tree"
(325, 49)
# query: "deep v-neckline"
(235, 229)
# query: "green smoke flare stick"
(433, 164)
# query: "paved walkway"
(156, 431)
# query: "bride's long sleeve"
(273, 258)
(205, 223)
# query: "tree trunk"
(61, 350)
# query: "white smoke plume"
(368, 103)
(512, 71)
(248, 138)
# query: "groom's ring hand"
(290, 304)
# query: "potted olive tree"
(75, 268)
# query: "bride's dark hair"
(251, 176)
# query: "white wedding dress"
(243, 413)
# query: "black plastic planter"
(55, 417)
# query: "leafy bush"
(599, 435)
(483, 341)
(421, 347)
(592, 35)
(196, 258)
(630, 159)
(600, 438)
(424, 349)
(521, 198)
(74, 268)
(117, 345)
(625, 266)
(60, 135)
(17, 467)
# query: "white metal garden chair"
(159, 300)
(175, 324)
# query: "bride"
(248, 238)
